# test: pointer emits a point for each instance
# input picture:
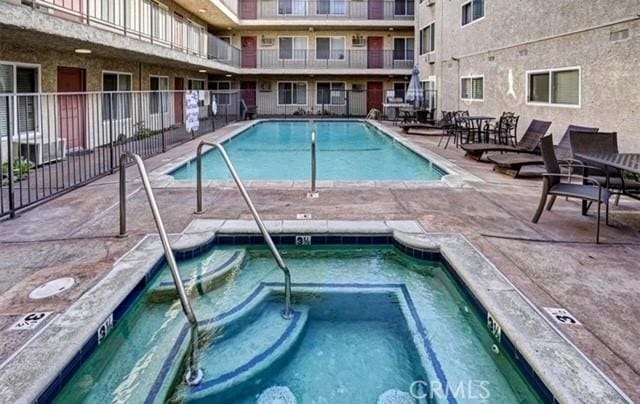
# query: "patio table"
(477, 123)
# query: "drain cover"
(51, 288)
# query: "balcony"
(146, 21)
(327, 9)
(311, 59)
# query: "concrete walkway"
(555, 263)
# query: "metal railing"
(256, 216)
(329, 9)
(145, 20)
(280, 58)
(314, 192)
(194, 373)
(53, 142)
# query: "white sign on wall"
(192, 123)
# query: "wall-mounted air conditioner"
(358, 41)
(430, 58)
(267, 41)
(40, 151)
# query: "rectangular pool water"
(346, 150)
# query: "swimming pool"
(368, 321)
(346, 150)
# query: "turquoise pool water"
(355, 338)
(346, 150)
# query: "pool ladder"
(194, 374)
(286, 313)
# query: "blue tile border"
(289, 239)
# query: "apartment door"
(178, 99)
(249, 49)
(249, 9)
(248, 92)
(376, 9)
(374, 95)
(72, 108)
(375, 56)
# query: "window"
(222, 91)
(427, 39)
(554, 87)
(403, 7)
(120, 103)
(159, 97)
(292, 7)
(331, 7)
(19, 79)
(330, 48)
(332, 93)
(403, 48)
(472, 11)
(400, 89)
(472, 88)
(161, 28)
(429, 88)
(292, 93)
(196, 39)
(293, 48)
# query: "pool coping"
(53, 356)
(455, 176)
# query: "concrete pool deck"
(555, 263)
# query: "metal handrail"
(194, 374)
(256, 216)
(313, 161)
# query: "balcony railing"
(312, 58)
(144, 20)
(328, 9)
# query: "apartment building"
(562, 61)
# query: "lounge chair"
(589, 191)
(515, 161)
(424, 122)
(528, 144)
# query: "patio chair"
(505, 130)
(516, 161)
(528, 144)
(552, 185)
(603, 142)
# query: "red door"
(178, 99)
(72, 107)
(376, 9)
(248, 92)
(249, 45)
(375, 55)
(249, 9)
(374, 95)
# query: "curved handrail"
(256, 216)
(313, 162)
(194, 374)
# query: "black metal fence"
(50, 143)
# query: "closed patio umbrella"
(414, 91)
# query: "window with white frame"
(19, 80)
(403, 48)
(428, 39)
(292, 93)
(403, 7)
(330, 48)
(292, 7)
(554, 86)
(331, 7)
(221, 91)
(159, 96)
(472, 88)
(116, 104)
(400, 89)
(429, 88)
(472, 11)
(292, 48)
(331, 93)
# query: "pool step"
(241, 355)
(199, 280)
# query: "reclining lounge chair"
(528, 144)
(515, 161)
